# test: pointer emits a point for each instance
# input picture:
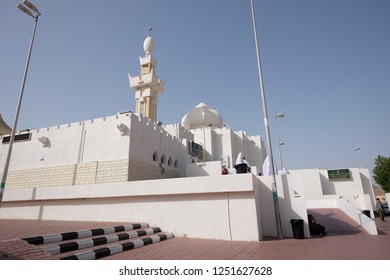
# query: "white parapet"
(215, 207)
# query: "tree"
(382, 172)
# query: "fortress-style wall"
(119, 148)
(86, 141)
(106, 150)
(235, 142)
(154, 153)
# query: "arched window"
(176, 164)
(170, 161)
(163, 159)
(155, 156)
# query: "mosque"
(131, 167)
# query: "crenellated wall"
(119, 148)
(86, 141)
(151, 144)
(225, 143)
(93, 152)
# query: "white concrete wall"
(184, 136)
(256, 153)
(103, 141)
(216, 207)
(295, 203)
(210, 168)
(100, 140)
(92, 140)
(311, 181)
(222, 145)
(224, 142)
(232, 207)
(73, 149)
(300, 186)
(146, 139)
(291, 201)
(357, 190)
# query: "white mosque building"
(129, 167)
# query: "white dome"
(149, 45)
(202, 116)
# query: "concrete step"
(83, 243)
(58, 237)
(98, 243)
(118, 247)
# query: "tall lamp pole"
(30, 9)
(278, 116)
(269, 146)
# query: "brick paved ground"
(11, 232)
(342, 246)
(346, 245)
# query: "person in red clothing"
(225, 171)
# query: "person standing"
(379, 208)
(248, 167)
(225, 171)
(241, 166)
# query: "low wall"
(231, 207)
(215, 207)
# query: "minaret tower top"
(149, 43)
(147, 85)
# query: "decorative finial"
(150, 31)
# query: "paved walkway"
(345, 244)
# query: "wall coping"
(175, 186)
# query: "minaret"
(147, 85)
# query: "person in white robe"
(241, 165)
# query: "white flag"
(266, 168)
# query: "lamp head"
(31, 6)
(24, 10)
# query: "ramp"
(336, 221)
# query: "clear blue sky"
(326, 65)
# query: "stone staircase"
(98, 243)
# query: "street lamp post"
(31, 10)
(269, 146)
(278, 116)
